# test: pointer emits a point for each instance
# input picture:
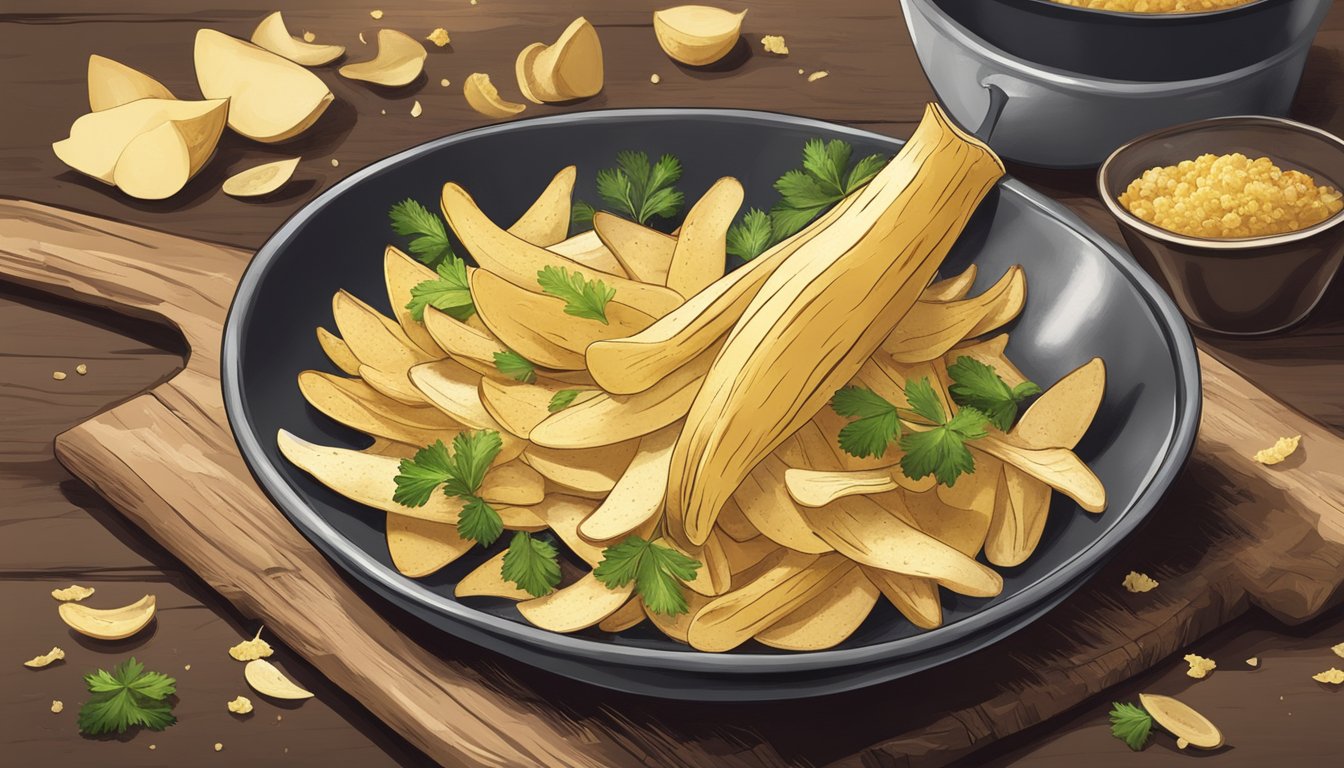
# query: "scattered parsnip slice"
(518, 261)
(571, 68)
(931, 328)
(1020, 511)
(952, 288)
(483, 96)
(644, 252)
(700, 256)
(826, 620)
(626, 617)
(524, 70)
(272, 99)
(266, 679)
(108, 623)
(697, 35)
(577, 606)
(587, 249)
(487, 580)
(916, 598)
(112, 84)
(400, 59)
(272, 35)
(1061, 415)
(420, 547)
(813, 488)
(764, 500)
(638, 496)
(46, 659)
(337, 351)
(730, 620)
(402, 273)
(98, 139)
(587, 470)
(260, 179)
(546, 221)
(1182, 721)
(1060, 468)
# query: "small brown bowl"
(1246, 286)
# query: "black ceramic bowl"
(1086, 299)
(1152, 47)
(1242, 287)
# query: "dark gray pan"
(1086, 298)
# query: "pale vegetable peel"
(110, 623)
(697, 35)
(268, 680)
(272, 34)
(260, 179)
(399, 61)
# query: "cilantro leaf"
(562, 400)
(449, 293)
(924, 401)
(472, 454)
(825, 178)
(658, 572)
(583, 298)
(941, 450)
(430, 244)
(864, 171)
(581, 214)
(515, 366)
(531, 564)
(479, 521)
(1130, 724)
(417, 477)
(751, 236)
(640, 190)
(977, 385)
(876, 421)
(127, 697)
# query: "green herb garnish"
(562, 400)
(449, 292)
(876, 422)
(658, 572)
(460, 473)
(940, 450)
(977, 385)
(751, 236)
(127, 696)
(531, 564)
(515, 366)
(430, 244)
(636, 189)
(825, 178)
(1130, 724)
(583, 298)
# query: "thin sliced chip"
(626, 617)
(863, 531)
(676, 626)
(974, 490)
(813, 488)
(402, 273)
(323, 393)
(1058, 468)
(744, 555)
(422, 416)
(644, 252)
(112, 84)
(952, 288)
(764, 500)
(518, 261)
(419, 547)
(931, 328)
(376, 340)
(916, 598)
(98, 140)
(826, 620)
(700, 256)
(586, 470)
(399, 61)
(537, 326)
(577, 606)
(337, 351)
(266, 679)
(271, 99)
(587, 249)
(962, 529)
(546, 222)
(564, 514)
(607, 419)
(483, 96)
(520, 407)
(1020, 513)
(396, 386)
(466, 343)
(730, 620)
(637, 497)
(487, 580)
(454, 389)
(1061, 415)
(260, 179)
(273, 35)
(715, 575)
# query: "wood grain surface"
(57, 530)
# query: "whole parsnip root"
(824, 312)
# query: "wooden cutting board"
(1231, 534)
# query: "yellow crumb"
(335, 162)
(46, 659)
(655, 78)
(241, 705)
(383, 112)
(187, 668)
(152, 746)
(815, 76)
(800, 71)
(439, 37)
(416, 109)
(1338, 649)
(308, 37)
(251, 650)
(57, 705)
(1139, 582)
(58, 375)
(775, 44)
(1182, 743)
(1282, 449)
(1254, 661)
(74, 592)
(277, 718)
(444, 82)
(376, 14)
(218, 746)
(1200, 667)
(81, 369)
(1332, 676)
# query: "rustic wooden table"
(57, 531)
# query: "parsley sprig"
(531, 563)
(126, 697)
(449, 292)
(515, 366)
(562, 400)
(583, 298)
(460, 472)
(636, 188)
(659, 573)
(824, 179)
(430, 243)
(977, 385)
(1131, 724)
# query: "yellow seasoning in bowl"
(1155, 6)
(1230, 196)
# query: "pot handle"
(998, 99)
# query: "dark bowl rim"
(1237, 244)
(405, 592)
(1139, 15)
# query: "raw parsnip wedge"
(700, 256)
(546, 222)
(112, 84)
(419, 547)
(272, 99)
(260, 179)
(98, 139)
(826, 620)
(697, 35)
(643, 252)
(108, 623)
(637, 497)
(484, 97)
(273, 35)
(588, 250)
